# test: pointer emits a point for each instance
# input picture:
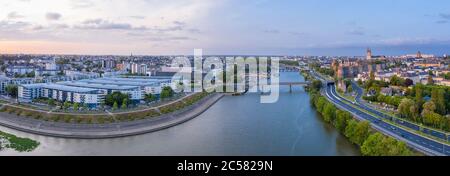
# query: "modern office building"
(5, 81)
(104, 89)
(93, 91)
(139, 69)
(152, 87)
(87, 96)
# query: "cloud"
(358, 31)
(271, 31)
(194, 30)
(37, 28)
(297, 33)
(52, 16)
(170, 38)
(14, 15)
(102, 24)
(137, 17)
(7, 25)
(444, 18)
(81, 4)
(179, 23)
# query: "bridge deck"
(293, 83)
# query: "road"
(419, 142)
(361, 104)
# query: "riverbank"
(109, 130)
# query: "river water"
(233, 126)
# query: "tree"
(350, 129)
(76, 106)
(360, 82)
(434, 119)
(362, 132)
(447, 76)
(428, 107)
(397, 81)
(149, 98)
(373, 146)
(419, 97)
(430, 80)
(329, 112)
(116, 97)
(166, 92)
(380, 145)
(124, 104)
(347, 82)
(12, 90)
(404, 108)
(66, 105)
(341, 120)
(350, 89)
(115, 106)
(85, 106)
(316, 85)
(438, 98)
(320, 104)
(51, 102)
(356, 132)
(408, 82)
(31, 74)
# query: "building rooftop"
(59, 87)
(119, 82)
(97, 86)
(30, 86)
(136, 80)
(157, 77)
(69, 88)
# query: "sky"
(225, 27)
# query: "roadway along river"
(233, 126)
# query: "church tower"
(419, 55)
(369, 54)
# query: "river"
(233, 126)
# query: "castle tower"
(369, 54)
(419, 55)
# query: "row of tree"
(390, 100)
(425, 114)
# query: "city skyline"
(225, 27)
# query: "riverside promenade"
(110, 130)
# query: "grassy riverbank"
(19, 144)
(104, 118)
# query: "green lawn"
(17, 143)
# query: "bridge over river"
(291, 84)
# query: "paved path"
(111, 130)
